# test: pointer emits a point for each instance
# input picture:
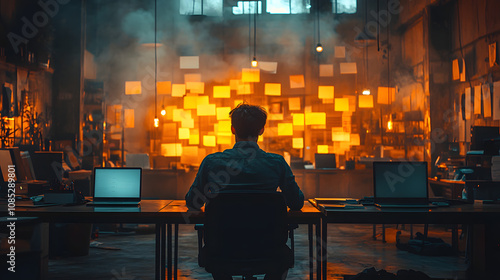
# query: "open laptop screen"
(400, 180)
(117, 183)
(325, 161)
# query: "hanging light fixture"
(319, 47)
(366, 92)
(156, 120)
(254, 60)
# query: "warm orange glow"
(341, 136)
(196, 87)
(355, 141)
(224, 139)
(366, 92)
(285, 129)
(178, 90)
(297, 81)
(194, 137)
(163, 112)
(206, 110)
(272, 89)
(250, 75)
(319, 48)
(294, 104)
(298, 119)
(133, 87)
(326, 92)
(188, 78)
(209, 141)
(223, 113)
(164, 87)
(244, 89)
(348, 68)
(254, 62)
(190, 155)
(326, 70)
(365, 101)
(180, 114)
(386, 95)
(342, 104)
(129, 118)
(183, 133)
(170, 112)
(222, 92)
(224, 128)
(171, 150)
(389, 125)
(322, 149)
(156, 122)
(187, 122)
(315, 118)
(298, 143)
(190, 102)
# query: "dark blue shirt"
(244, 168)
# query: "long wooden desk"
(177, 213)
(148, 213)
(468, 214)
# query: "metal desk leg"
(169, 251)
(318, 251)
(176, 249)
(160, 252)
(311, 261)
(324, 243)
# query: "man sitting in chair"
(245, 168)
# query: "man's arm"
(293, 195)
(196, 197)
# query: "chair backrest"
(245, 226)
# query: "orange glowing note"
(348, 68)
(250, 75)
(224, 139)
(183, 133)
(222, 92)
(294, 104)
(298, 119)
(187, 122)
(365, 101)
(192, 78)
(223, 113)
(342, 104)
(190, 102)
(355, 140)
(171, 149)
(339, 51)
(341, 136)
(133, 87)
(224, 128)
(297, 81)
(386, 95)
(190, 155)
(322, 149)
(273, 89)
(298, 143)
(206, 110)
(178, 90)
(315, 118)
(202, 100)
(164, 87)
(326, 70)
(129, 118)
(209, 140)
(234, 84)
(194, 137)
(189, 62)
(285, 129)
(326, 92)
(196, 87)
(179, 114)
(244, 89)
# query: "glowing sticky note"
(178, 90)
(190, 155)
(250, 75)
(297, 81)
(462, 73)
(237, 102)
(202, 100)
(355, 140)
(468, 103)
(234, 84)
(164, 87)
(129, 118)
(298, 119)
(195, 87)
(365, 101)
(326, 70)
(224, 139)
(171, 149)
(326, 92)
(348, 68)
(272, 89)
(194, 139)
(341, 104)
(224, 127)
(206, 110)
(209, 141)
(189, 62)
(294, 103)
(386, 95)
(316, 118)
(170, 112)
(180, 114)
(327, 101)
(190, 102)
(183, 133)
(455, 70)
(187, 122)
(477, 99)
(267, 66)
(192, 78)
(486, 101)
(339, 51)
(223, 113)
(285, 129)
(341, 136)
(244, 89)
(322, 149)
(275, 117)
(222, 92)
(133, 87)
(298, 143)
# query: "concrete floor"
(351, 249)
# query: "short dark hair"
(248, 120)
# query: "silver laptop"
(117, 187)
(400, 184)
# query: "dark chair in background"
(245, 234)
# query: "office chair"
(245, 234)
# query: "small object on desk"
(440, 203)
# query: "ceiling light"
(254, 62)
(319, 48)
(366, 92)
